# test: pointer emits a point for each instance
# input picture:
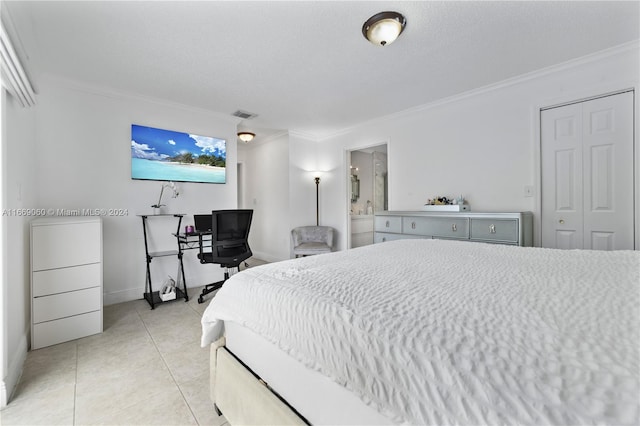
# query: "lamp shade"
(246, 136)
(384, 28)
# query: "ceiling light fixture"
(384, 27)
(246, 136)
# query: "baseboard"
(196, 277)
(4, 399)
(266, 257)
(122, 296)
(15, 370)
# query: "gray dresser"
(500, 228)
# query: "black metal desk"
(194, 240)
(153, 297)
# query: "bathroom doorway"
(368, 192)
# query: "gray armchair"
(310, 240)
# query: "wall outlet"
(528, 191)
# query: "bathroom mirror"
(355, 188)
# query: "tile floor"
(147, 367)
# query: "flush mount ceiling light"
(246, 136)
(384, 27)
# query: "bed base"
(241, 396)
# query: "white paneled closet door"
(587, 174)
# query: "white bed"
(440, 332)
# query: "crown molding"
(304, 135)
(320, 137)
(276, 135)
(291, 133)
(262, 141)
(97, 90)
(592, 57)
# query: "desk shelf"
(153, 297)
(163, 253)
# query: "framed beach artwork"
(167, 155)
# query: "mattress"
(449, 332)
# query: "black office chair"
(229, 243)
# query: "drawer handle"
(384, 239)
(413, 225)
(454, 227)
(492, 229)
(561, 221)
(386, 224)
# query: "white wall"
(4, 397)
(83, 160)
(279, 185)
(18, 192)
(266, 173)
(303, 169)
(482, 144)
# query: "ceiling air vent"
(244, 115)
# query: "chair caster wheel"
(200, 299)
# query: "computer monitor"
(202, 222)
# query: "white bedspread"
(445, 332)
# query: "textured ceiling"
(304, 66)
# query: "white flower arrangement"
(174, 189)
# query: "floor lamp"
(317, 203)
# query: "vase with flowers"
(157, 208)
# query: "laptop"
(202, 222)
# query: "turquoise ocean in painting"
(159, 154)
(161, 170)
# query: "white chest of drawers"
(66, 279)
(500, 228)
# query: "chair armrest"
(330, 237)
(297, 237)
